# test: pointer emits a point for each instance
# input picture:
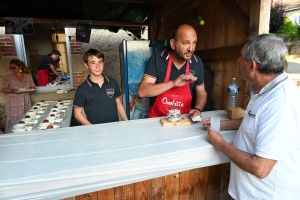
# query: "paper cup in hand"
(215, 123)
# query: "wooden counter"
(137, 158)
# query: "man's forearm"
(200, 101)
(253, 164)
(233, 124)
(152, 89)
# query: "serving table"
(67, 162)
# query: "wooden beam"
(130, 1)
(238, 14)
(259, 17)
(73, 22)
(221, 53)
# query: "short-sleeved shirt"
(99, 104)
(157, 68)
(45, 63)
(270, 129)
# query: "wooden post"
(259, 23)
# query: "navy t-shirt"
(99, 103)
(45, 63)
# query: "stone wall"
(106, 42)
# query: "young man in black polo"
(99, 96)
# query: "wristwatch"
(198, 109)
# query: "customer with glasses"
(16, 103)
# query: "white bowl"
(45, 124)
(55, 110)
(18, 130)
(45, 105)
(59, 105)
(19, 126)
(26, 120)
(39, 103)
(37, 117)
(35, 107)
(31, 114)
(56, 126)
(40, 112)
(50, 119)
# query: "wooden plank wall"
(219, 30)
(207, 183)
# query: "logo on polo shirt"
(191, 72)
(110, 92)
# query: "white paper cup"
(215, 123)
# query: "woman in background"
(16, 103)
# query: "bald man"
(172, 75)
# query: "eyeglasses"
(12, 68)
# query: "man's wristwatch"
(198, 109)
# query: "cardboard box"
(235, 113)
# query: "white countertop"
(66, 162)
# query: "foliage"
(277, 16)
(289, 28)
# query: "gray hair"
(268, 51)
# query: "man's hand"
(183, 79)
(206, 123)
(194, 113)
(214, 137)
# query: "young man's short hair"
(92, 52)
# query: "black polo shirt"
(45, 62)
(99, 103)
(158, 64)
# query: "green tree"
(289, 28)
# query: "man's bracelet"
(198, 109)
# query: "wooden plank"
(130, 1)
(214, 182)
(221, 53)
(118, 192)
(108, 194)
(128, 192)
(186, 185)
(218, 94)
(172, 187)
(225, 174)
(201, 183)
(219, 33)
(70, 198)
(88, 196)
(156, 188)
(141, 190)
(240, 17)
(208, 17)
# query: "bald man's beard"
(180, 55)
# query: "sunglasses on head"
(12, 68)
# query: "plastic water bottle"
(233, 92)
